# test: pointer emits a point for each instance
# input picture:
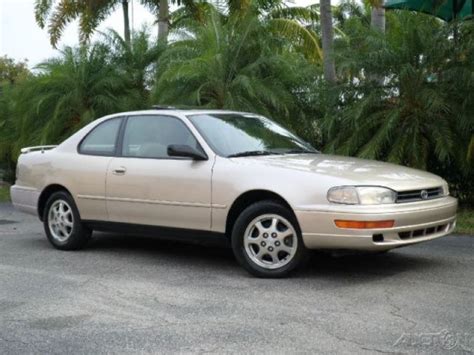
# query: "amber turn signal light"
(341, 223)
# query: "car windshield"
(237, 135)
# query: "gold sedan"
(231, 175)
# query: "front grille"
(423, 232)
(419, 195)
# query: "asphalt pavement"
(127, 294)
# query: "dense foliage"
(405, 95)
(11, 71)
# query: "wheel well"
(248, 198)
(48, 191)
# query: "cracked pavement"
(126, 294)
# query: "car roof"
(175, 111)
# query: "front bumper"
(414, 223)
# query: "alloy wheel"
(60, 220)
(270, 241)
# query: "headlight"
(363, 195)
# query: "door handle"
(119, 171)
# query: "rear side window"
(102, 140)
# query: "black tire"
(244, 221)
(76, 236)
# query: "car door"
(87, 171)
(147, 186)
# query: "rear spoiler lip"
(42, 148)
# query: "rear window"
(102, 140)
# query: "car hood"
(353, 171)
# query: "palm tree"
(90, 13)
(126, 21)
(377, 17)
(290, 22)
(69, 92)
(163, 20)
(327, 34)
(136, 61)
(233, 63)
(161, 8)
(294, 24)
(415, 117)
(348, 11)
(190, 9)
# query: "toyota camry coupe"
(233, 175)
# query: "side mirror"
(181, 150)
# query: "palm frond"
(305, 39)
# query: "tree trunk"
(163, 20)
(126, 22)
(327, 34)
(377, 18)
(377, 22)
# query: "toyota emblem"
(424, 194)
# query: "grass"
(465, 221)
(4, 193)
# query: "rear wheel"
(62, 223)
(266, 240)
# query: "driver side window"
(150, 136)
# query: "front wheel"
(62, 223)
(266, 240)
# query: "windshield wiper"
(251, 153)
(301, 151)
